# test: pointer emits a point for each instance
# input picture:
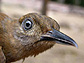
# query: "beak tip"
(76, 45)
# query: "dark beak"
(58, 37)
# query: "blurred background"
(70, 16)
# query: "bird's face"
(40, 32)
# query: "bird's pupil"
(27, 24)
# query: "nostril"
(50, 32)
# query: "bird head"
(29, 35)
(39, 33)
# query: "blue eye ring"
(27, 23)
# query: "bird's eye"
(27, 24)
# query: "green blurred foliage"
(69, 2)
(72, 2)
(54, 0)
(82, 3)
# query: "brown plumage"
(29, 35)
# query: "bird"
(29, 35)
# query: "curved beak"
(58, 37)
